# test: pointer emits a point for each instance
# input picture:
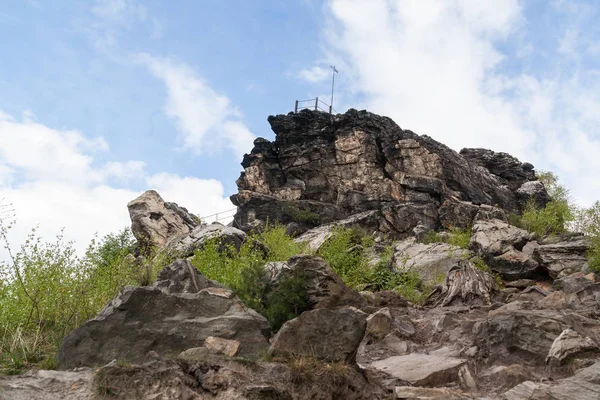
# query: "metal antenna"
(333, 72)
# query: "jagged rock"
(48, 385)
(562, 255)
(323, 168)
(185, 246)
(182, 277)
(421, 369)
(155, 222)
(329, 335)
(501, 246)
(567, 344)
(465, 284)
(412, 393)
(380, 324)
(503, 378)
(495, 237)
(533, 190)
(316, 237)
(225, 346)
(525, 391)
(462, 214)
(160, 319)
(513, 333)
(431, 261)
(324, 288)
(511, 171)
(585, 384)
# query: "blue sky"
(100, 100)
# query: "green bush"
(555, 217)
(432, 237)
(46, 290)
(459, 238)
(243, 272)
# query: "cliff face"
(322, 168)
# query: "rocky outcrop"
(323, 168)
(431, 262)
(155, 222)
(323, 334)
(180, 312)
(503, 247)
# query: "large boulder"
(562, 255)
(180, 312)
(323, 168)
(324, 288)
(503, 247)
(329, 335)
(431, 262)
(515, 333)
(422, 369)
(154, 222)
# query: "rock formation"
(523, 326)
(323, 168)
(179, 312)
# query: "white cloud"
(206, 120)
(315, 74)
(59, 185)
(436, 68)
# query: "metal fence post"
(296, 107)
(316, 104)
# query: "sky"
(101, 100)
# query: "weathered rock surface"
(431, 261)
(421, 369)
(330, 335)
(562, 255)
(502, 246)
(411, 393)
(325, 289)
(585, 384)
(568, 344)
(323, 168)
(48, 385)
(155, 222)
(180, 312)
(515, 333)
(185, 245)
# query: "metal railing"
(221, 216)
(7, 211)
(313, 104)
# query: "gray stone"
(421, 369)
(412, 393)
(185, 246)
(431, 261)
(568, 344)
(143, 319)
(329, 335)
(155, 222)
(563, 257)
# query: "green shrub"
(432, 237)
(46, 290)
(459, 237)
(243, 272)
(344, 251)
